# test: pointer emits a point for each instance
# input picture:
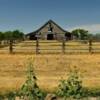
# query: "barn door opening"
(68, 36)
(33, 37)
(50, 37)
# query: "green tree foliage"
(17, 35)
(1, 36)
(30, 89)
(8, 35)
(13, 35)
(72, 87)
(80, 34)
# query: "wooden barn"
(49, 31)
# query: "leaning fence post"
(37, 46)
(11, 46)
(63, 46)
(90, 46)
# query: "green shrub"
(30, 89)
(94, 92)
(1, 97)
(72, 87)
(10, 96)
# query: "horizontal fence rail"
(52, 47)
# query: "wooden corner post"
(10, 46)
(37, 46)
(90, 45)
(63, 46)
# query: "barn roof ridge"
(49, 21)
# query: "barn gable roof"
(48, 22)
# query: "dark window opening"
(68, 36)
(33, 37)
(50, 37)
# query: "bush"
(72, 87)
(30, 89)
(94, 92)
(1, 97)
(11, 96)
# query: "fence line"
(40, 46)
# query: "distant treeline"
(11, 35)
(82, 34)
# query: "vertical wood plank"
(63, 46)
(90, 46)
(10, 46)
(37, 46)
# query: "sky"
(29, 15)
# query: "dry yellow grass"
(49, 69)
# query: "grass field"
(49, 69)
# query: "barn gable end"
(50, 31)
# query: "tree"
(8, 35)
(80, 34)
(17, 35)
(13, 35)
(1, 36)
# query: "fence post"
(11, 46)
(90, 46)
(63, 46)
(37, 46)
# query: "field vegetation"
(50, 69)
(50, 65)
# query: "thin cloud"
(94, 28)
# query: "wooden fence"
(52, 47)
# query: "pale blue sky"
(28, 15)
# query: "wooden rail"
(40, 46)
